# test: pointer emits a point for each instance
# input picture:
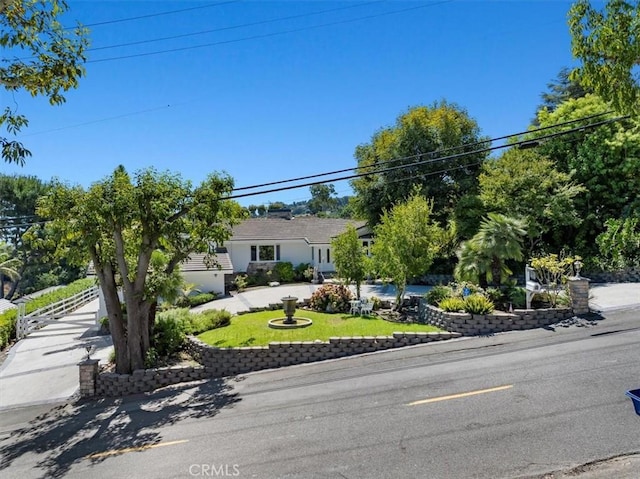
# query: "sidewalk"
(43, 367)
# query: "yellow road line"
(115, 452)
(461, 395)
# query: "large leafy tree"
(9, 266)
(526, 184)
(39, 56)
(406, 242)
(349, 257)
(605, 160)
(608, 44)
(136, 231)
(484, 257)
(323, 199)
(416, 141)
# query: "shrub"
(201, 298)
(207, 320)
(333, 297)
(517, 296)
(496, 295)
(169, 332)
(438, 293)
(241, 282)
(452, 305)
(478, 304)
(303, 272)
(284, 272)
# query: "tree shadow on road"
(85, 430)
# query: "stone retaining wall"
(221, 362)
(631, 275)
(471, 325)
(145, 380)
(229, 361)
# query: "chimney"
(284, 213)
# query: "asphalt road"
(513, 405)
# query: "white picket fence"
(26, 323)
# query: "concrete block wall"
(630, 275)
(471, 325)
(222, 362)
(145, 380)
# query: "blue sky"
(263, 104)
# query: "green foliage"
(322, 199)
(552, 271)
(241, 282)
(349, 257)
(122, 224)
(478, 304)
(415, 138)
(303, 272)
(608, 44)
(619, 244)
(452, 305)
(563, 88)
(606, 161)
(195, 323)
(195, 300)
(46, 60)
(8, 318)
(526, 184)
(333, 297)
(438, 293)
(406, 242)
(169, 334)
(483, 257)
(284, 272)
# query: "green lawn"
(252, 329)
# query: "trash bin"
(635, 397)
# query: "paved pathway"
(42, 368)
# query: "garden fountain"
(290, 322)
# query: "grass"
(253, 330)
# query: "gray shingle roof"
(195, 262)
(310, 228)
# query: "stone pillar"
(579, 292)
(88, 377)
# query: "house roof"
(312, 229)
(196, 262)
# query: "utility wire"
(235, 27)
(580, 128)
(151, 15)
(418, 155)
(450, 157)
(267, 35)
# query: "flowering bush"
(331, 297)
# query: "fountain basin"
(282, 323)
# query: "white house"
(208, 279)
(260, 243)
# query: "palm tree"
(8, 266)
(483, 257)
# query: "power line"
(267, 35)
(450, 157)
(418, 155)
(234, 27)
(151, 15)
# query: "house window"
(319, 255)
(313, 253)
(328, 256)
(267, 252)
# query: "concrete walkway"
(43, 368)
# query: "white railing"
(25, 323)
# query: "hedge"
(8, 318)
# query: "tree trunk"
(482, 280)
(116, 321)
